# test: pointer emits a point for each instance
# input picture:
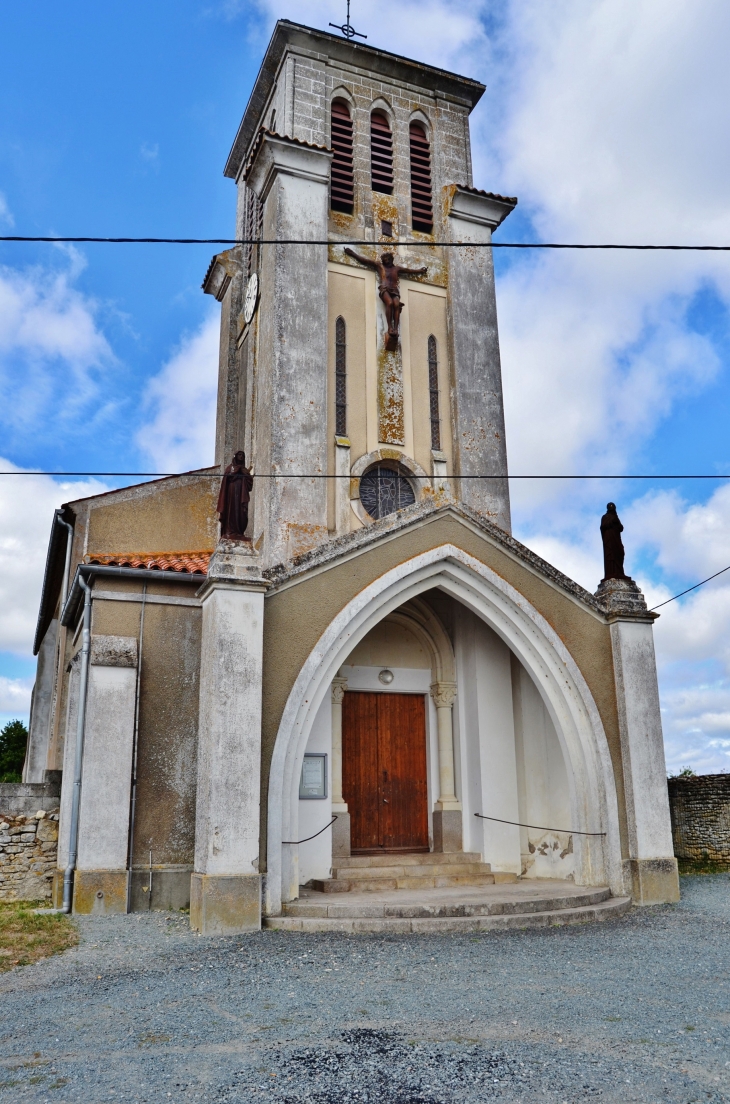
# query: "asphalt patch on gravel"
(366, 1065)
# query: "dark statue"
(234, 497)
(389, 274)
(613, 546)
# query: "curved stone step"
(413, 906)
(610, 909)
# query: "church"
(323, 667)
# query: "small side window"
(340, 378)
(433, 393)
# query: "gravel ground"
(143, 1010)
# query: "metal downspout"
(133, 804)
(68, 876)
(69, 542)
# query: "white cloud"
(27, 503)
(15, 696)
(50, 343)
(446, 33)
(149, 151)
(6, 215)
(181, 400)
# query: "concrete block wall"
(25, 798)
(700, 809)
(28, 846)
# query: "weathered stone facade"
(700, 809)
(538, 700)
(28, 846)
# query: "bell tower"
(359, 358)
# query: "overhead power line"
(324, 475)
(690, 589)
(387, 242)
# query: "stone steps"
(410, 858)
(404, 881)
(380, 873)
(454, 917)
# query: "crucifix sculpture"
(389, 274)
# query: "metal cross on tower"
(347, 28)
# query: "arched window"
(340, 378)
(433, 393)
(342, 186)
(383, 490)
(421, 201)
(381, 153)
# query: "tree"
(13, 742)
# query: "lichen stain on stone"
(341, 220)
(391, 420)
(303, 537)
(385, 208)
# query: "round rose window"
(383, 491)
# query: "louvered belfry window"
(340, 378)
(381, 153)
(342, 186)
(421, 201)
(433, 393)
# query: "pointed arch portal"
(593, 799)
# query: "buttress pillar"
(225, 891)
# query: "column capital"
(339, 687)
(443, 694)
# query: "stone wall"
(28, 846)
(25, 798)
(700, 809)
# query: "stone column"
(479, 435)
(652, 867)
(36, 757)
(100, 883)
(447, 825)
(341, 827)
(225, 889)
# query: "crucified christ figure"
(389, 274)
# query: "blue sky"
(608, 120)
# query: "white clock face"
(252, 294)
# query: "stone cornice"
(275, 153)
(484, 208)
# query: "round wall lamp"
(386, 677)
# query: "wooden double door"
(384, 771)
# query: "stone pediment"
(398, 526)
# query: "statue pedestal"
(622, 596)
(226, 889)
(651, 869)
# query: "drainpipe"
(135, 752)
(68, 877)
(69, 542)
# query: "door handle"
(385, 801)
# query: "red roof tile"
(191, 563)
